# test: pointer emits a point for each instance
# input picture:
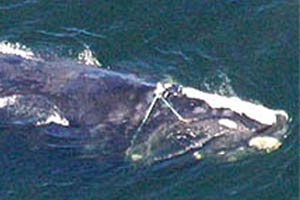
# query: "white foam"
(86, 57)
(254, 111)
(16, 49)
(220, 84)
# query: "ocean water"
(242, 48)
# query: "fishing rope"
(160, 93)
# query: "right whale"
(110, 115)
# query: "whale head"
(203, 129)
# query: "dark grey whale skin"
(100, 105)
(105, 109)
(86, 95)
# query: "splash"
(16, 49)
(86, 57)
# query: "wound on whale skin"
(119, 115)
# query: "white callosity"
(228, 123)
(265, 143)
(254, 111)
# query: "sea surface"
(246, 48)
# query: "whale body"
(104, 113)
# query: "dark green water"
(203, 44)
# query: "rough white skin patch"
(9, 100)
(55, 118)
(228, 123)
(136, 157)
(265, 143)
(197, 155)
(254, 111)
(16, 49)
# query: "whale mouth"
(212, 129)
